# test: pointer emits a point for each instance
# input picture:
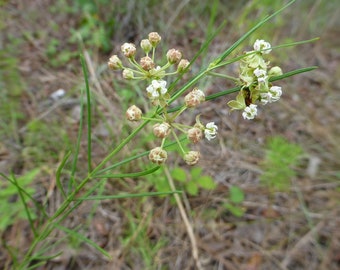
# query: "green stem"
(136, 65)
(223, 76)
(178, 141)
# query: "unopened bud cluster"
(254, 79)
(147, 68)
(193, 133)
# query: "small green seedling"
(236, 197)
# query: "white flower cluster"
(255, 81)
(157, 88)
(250, 112)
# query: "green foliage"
(279, 164)
(11, 88)
(194, 181)
(136, 240)
(94, 29)
(158, 181)
(236, 197)
(42, 141)
(56, 56)
(191, 181)
(12, 207)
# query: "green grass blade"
(23, 201)
(83, 238)
(89, 114)
(37, 205)
(58, 173)
(77, 203)
(72, 182)
(42, 260)
(128, 195)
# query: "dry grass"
(296, 229)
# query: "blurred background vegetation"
(275, 201)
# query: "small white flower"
(250, 112)
(272, 95)
(258, 72)
(276, 93)
(260, 45)
(261, 75)
(157, 88)
(266, 98)
(210, 130)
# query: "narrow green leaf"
(23, 201)
(58, 173)
(27, 193)
(77, 149)
(84, 239)
(145, 153)
(292, 73)
(198, 76)
(132, 175)
(89, 114)
(126, 195)
(251, 31)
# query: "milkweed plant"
(256, 84)
(254, 78)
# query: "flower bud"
(154, 38)
(275, 71)
(128, 74)
(161, 130)
(147, 63)
(133, 113)
(158, 155)
(195, 134)
(146, 45)
(194, 98)
(192, 157)
(182, 65)
(129, 50)
(173, 56)
(115, 63)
